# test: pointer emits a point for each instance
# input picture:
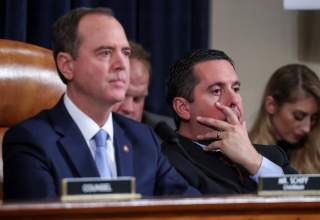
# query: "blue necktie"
(100, 155)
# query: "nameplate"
(293, 184)
(98, 188)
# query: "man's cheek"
(217, 114)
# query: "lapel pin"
(126, 148)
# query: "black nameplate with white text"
(295, 184)
(92, 188)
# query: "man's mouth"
(118, 82)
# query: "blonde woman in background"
(288, 116)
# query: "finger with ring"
(219, 133)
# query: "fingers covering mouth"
(236, 111)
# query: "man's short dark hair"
(182, 79)
(65, 32)
(139, 53)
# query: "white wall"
(260, 37)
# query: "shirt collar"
(204, 146)
(198, 144)
(87, 126)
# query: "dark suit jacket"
(39, 152)
(213, 173)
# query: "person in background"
(289, 116)
(80, 136)
(133, 105)
(212, 149)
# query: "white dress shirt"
(89, 128)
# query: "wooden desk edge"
(166, 206)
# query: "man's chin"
(118, 99)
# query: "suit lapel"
(123, 150)
(72, 142)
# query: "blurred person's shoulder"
(153, 119)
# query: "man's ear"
(65, 65)
(270, 105)
(181, 107)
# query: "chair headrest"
(29, 81)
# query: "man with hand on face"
(212, 150)
(133, 104)
(80, 136)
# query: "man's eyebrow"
(237, 83)
(103, 48)
(221, 84)
(126, 48)
(216, 84)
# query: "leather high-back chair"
(29, 83)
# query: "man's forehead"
(137, 79)
(90, 21)
(93, 16)
(216, 70)
(93, 26)
(137, 90)
(138, 70)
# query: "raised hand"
(231, 137)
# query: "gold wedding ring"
(219, 135)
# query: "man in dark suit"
(92, 53)
(212, 150)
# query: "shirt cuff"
(267, 168)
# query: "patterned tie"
(101, 156)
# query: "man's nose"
(120, 60)
(231, 98)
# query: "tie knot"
(100, 138)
